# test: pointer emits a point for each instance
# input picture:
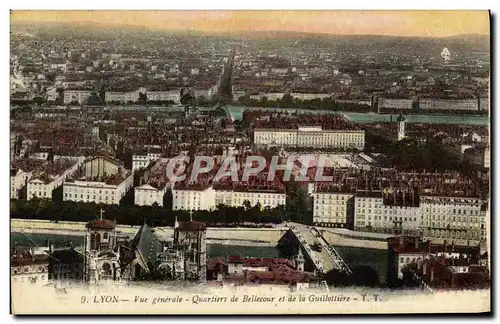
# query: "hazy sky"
(396, 23)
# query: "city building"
(50, 176)
(413, 262)
(18, 180)
(389, 103)
(140, 161)
(274, 271)
(193, 197)
(484, 103)
(309, 96)
(29, 265)
(121, 97)
(156, 184)
(448, 104)
(236, 198)
(332, 209)
(478, 155)
(99, 180)
(170, 95)
(382, 211)
(311, 137)
(66, 264)
(462, 220)
(76, 96)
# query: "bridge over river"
(320, 256)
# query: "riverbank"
(255, 237)
(225, 236)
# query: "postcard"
(250, 162)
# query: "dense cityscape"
(100, 114)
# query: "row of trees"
(288, 102)
(245, 215)
(410, 154)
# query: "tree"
(247, 205)
(365, 276)
(336, 278)
(142, 99)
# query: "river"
(237, 113)
(376, 259)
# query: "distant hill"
(104, 30)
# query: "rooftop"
(101, 224)
(191, 226)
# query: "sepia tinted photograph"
(249, 162)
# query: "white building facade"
(97, 192)
(143, 161)
(237, 198)
(455, 219)
(101, 180)
(331, 208)
(42, 187)
(79, 96)
(18, 179)
(190, 199)
(442, 104)
(371, 212)
(147, 195)
(311, 137)
(461, 220)
(171, 95)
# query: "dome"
(101, 224)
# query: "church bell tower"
(102, 255)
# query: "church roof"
(192, 226)
(146, 246)
(65, 256)
(101, 224)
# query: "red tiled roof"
(260, 262)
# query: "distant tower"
(102, 255)
(299, 261)
(375, 103)
(401, 127)
(445, 54)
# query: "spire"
(300, 257)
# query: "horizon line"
(234, 32)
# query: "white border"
(254, 4)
